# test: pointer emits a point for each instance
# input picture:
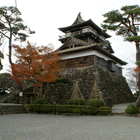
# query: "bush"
(133, 106)
(91, 110)
(77, 101)
(48, 108)
(40, 108)
(61, 108)
(61, 80)
(28, 94)
(95, 103)
(136, 110)
(39, 101)
(68, 108)
(129, 110)
(104, 110)
(76, 109)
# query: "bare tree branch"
(5, 35)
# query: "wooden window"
(98, 60)
(112, 65)
(86, 60)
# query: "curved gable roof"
(79, 22)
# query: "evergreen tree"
(11, 25)
(126, 23)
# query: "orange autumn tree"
(136, 69)
(35, 64)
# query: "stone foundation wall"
(109, 84)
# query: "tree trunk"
(10, 49)
(20, 88)
(40, 93)
(138, 83)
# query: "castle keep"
(84, 44)
(87, 58)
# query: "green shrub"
(129, 110)
(77, 101)
(105, 110)
(95, 103)
(39, 101)
(136, 110)
(41, 108)
(139, 109)
(61, 80)
(68, 108)
(91, 110)
(88, 110)
(61, 108)
(28, 94)
(133, 106)
(81, 109)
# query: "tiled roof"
(79, 22)
(95, 46)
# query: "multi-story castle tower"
(87, 58)
(85, 44)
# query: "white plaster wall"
(87, 53)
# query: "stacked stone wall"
(109, 85)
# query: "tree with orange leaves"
(132, 78)
(35, 64)
(136, 69)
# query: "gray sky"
(46, 16)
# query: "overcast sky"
(46, 16)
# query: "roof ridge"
(78, 19)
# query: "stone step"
(13, 109)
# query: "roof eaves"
(63, 29)
(94, 47)
(110, 55)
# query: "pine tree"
(11, 26)
(126, 23)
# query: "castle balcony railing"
(85, 30)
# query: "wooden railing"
(85, 30)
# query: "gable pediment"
(73, 42)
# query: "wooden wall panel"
(87, 61)
(77, 62)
